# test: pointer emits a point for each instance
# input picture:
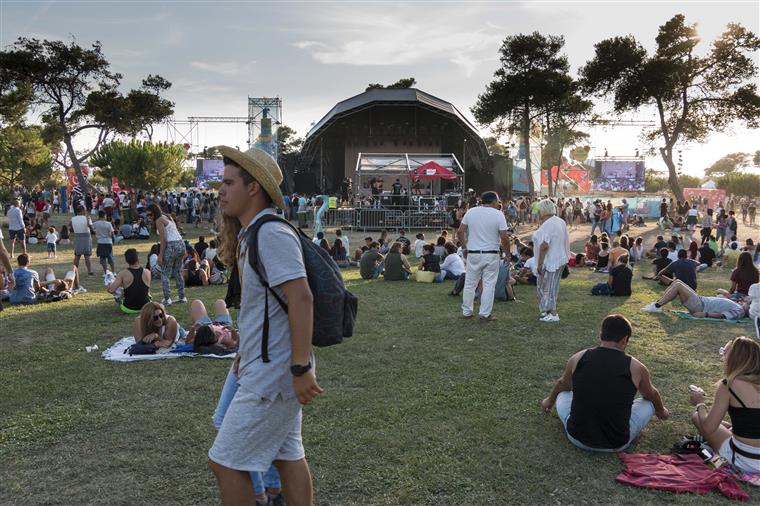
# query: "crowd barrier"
(379, 219)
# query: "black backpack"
(334, 306)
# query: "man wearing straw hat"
(263, 422)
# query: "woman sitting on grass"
(397, 267)
(339, 254)
(429, 261)
(152, 265)
(738, 396)
(742, 277)
(65, 236)
(216, 336)
(154, 326)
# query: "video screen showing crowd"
(618, 176)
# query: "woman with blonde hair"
(739, 396)
(153, 325)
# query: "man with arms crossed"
(263, 422)
(594, 396)
(483, 229)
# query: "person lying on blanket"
(153, 325)
(206, 332)
(699, 307)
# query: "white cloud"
(390, 40)
(202, 86)
(227, 68)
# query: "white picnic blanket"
(116, 353)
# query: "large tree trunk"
(667, 156)
(526, 142)
(548, 165)
(75, 163)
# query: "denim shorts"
(224, 319)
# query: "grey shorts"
(694, 304)
(83, 244)
(256, 432)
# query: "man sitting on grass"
(26, 283)
(619, 280)
(595, 396)
(699, 307)
(371, 262)
(683, 269)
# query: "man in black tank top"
(134, 282)
(595, 396)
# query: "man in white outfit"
(483, 230)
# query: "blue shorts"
(51, 247)
(224, 319)
(17, 234)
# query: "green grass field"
(420, 406)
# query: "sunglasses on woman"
(158, 316)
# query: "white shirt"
(209, 253)
(483, 227)
(453, 264)
(344, 240)
(553, 232)
(108, 202)
(531, 264)
(51, 237)
(673, 255)
(80, 224)
(15, 218)
(418, 245)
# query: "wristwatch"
(300, 370)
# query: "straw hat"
(262, 167)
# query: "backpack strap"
(253, 261)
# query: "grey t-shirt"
(103, 231)
(281, 260)
(728, 308)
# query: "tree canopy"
(693, 94)
(407, 82)
(76, 92)
(729, 163)
(24, 156)
(532, 80)
(142, 164)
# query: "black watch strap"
(300, 370)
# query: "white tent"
(710, 185)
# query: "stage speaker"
(427, 203)
(452, 201)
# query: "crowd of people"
(258, 448)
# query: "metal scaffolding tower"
(264, 119)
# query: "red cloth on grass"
(678, 473)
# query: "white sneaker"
(81, 289)
(651, 308)
(166, 302)
(543, 313)
(183, 300)
(550, 318)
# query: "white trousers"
(485, 267)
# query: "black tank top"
(745, 422)
(432, 263)
(136, 295)
(603, 393)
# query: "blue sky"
(314, 54)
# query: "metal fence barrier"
(378, 219)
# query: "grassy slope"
(421, 407)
